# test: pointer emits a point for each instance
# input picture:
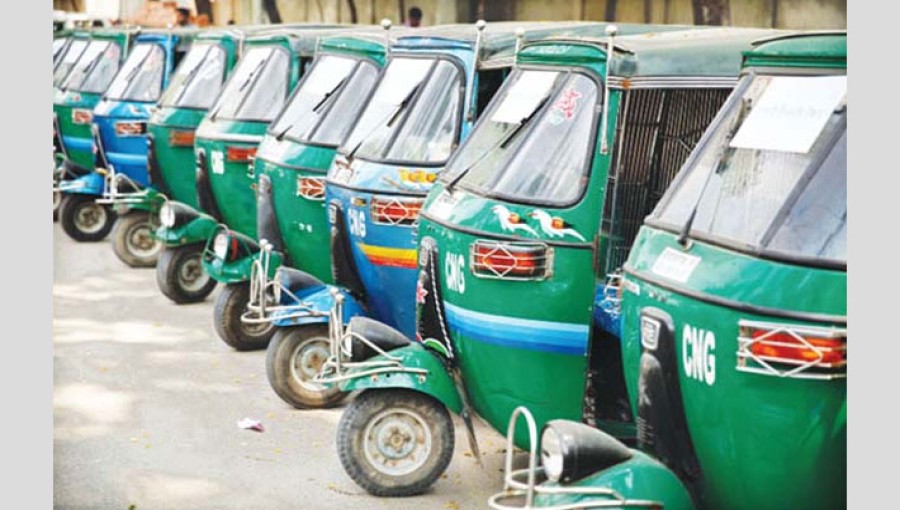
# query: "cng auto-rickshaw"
(118, 129)
(224, 144)
(435, 86)
(73, 103)
(733, 314)
(291, 162)
(529, 207)
(193, 88)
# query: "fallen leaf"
(452, 505)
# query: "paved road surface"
(146, 401)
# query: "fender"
(639, 478)
(239, 269)
(149, 202)
(319, 298)
(196, 230)
(438, 383)
(90, 184)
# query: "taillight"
(312, 188)
(492, 259)
(240, 154)
(130, 128)
(787, 350)
(396, 211)
(178, 138)
(80, 116)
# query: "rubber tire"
(353, 424)
(168, 268)
(230, 305)
(278, 368)
(69, 206)
(57, 195)
(120, 245)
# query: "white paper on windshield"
(524, 96)
(791, 113)
(402, 76)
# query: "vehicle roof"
(804, 49)
(675, 50)
(302, 39)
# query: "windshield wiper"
(243, 86)
(390, 120)
(315, 109)
(721, 160)
(502, 143)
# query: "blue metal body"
(320, 299)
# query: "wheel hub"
(90, 218)
(142, 242)
(397, 442)
(307, 361)
(191, 275)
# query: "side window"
(489, 82)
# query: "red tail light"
(792, 351)
(312, 188)
(396, 211)
(80, 116)
(130, 128)
(490, 259)
(240, 154)
(181, 138)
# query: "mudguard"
(438, 383)
(639, 478)
(149, 202)
(239, 269)
(320, 299)
(90, 184)
(196, 230)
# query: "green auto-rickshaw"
(75, 98)
(66, 51)
(734, 314)
(291, 163)
(540, 196)
(170, 142)
(224, 144)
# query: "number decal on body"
(698, 348)
(218, 162)
(357, 222)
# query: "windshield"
(68, 61)
(328, 101)
(533, 142)
(58, 45)
(140, 78)
(257, 88)
(414, 114)
(198, 79)
(95, 69)
(772, 177)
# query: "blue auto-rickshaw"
(119, 127)
(430, 94)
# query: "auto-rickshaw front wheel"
(295, 355)
(395, 442)
(57, 199)
(230, 305)
(83, 219)
(133, 240)
(180, 275)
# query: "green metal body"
(501, 375)
(762, 441)
(176, 162)
(195, 231)
(436, 383)
(302, 221)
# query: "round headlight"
(167, 215)
(220, 245)
(551, 454)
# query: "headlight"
(220, 245)
(167, 215)
(571, 451)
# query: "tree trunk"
(611, 10)
(711, 12)
(272, 11)
(353, 15)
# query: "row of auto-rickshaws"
(624, 245)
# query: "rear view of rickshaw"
(74, 99)
(436, 85)
(733, 314)
(193, 88)
(516, 236)
(271, 63)
(119, 142)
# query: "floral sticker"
(564, 108)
